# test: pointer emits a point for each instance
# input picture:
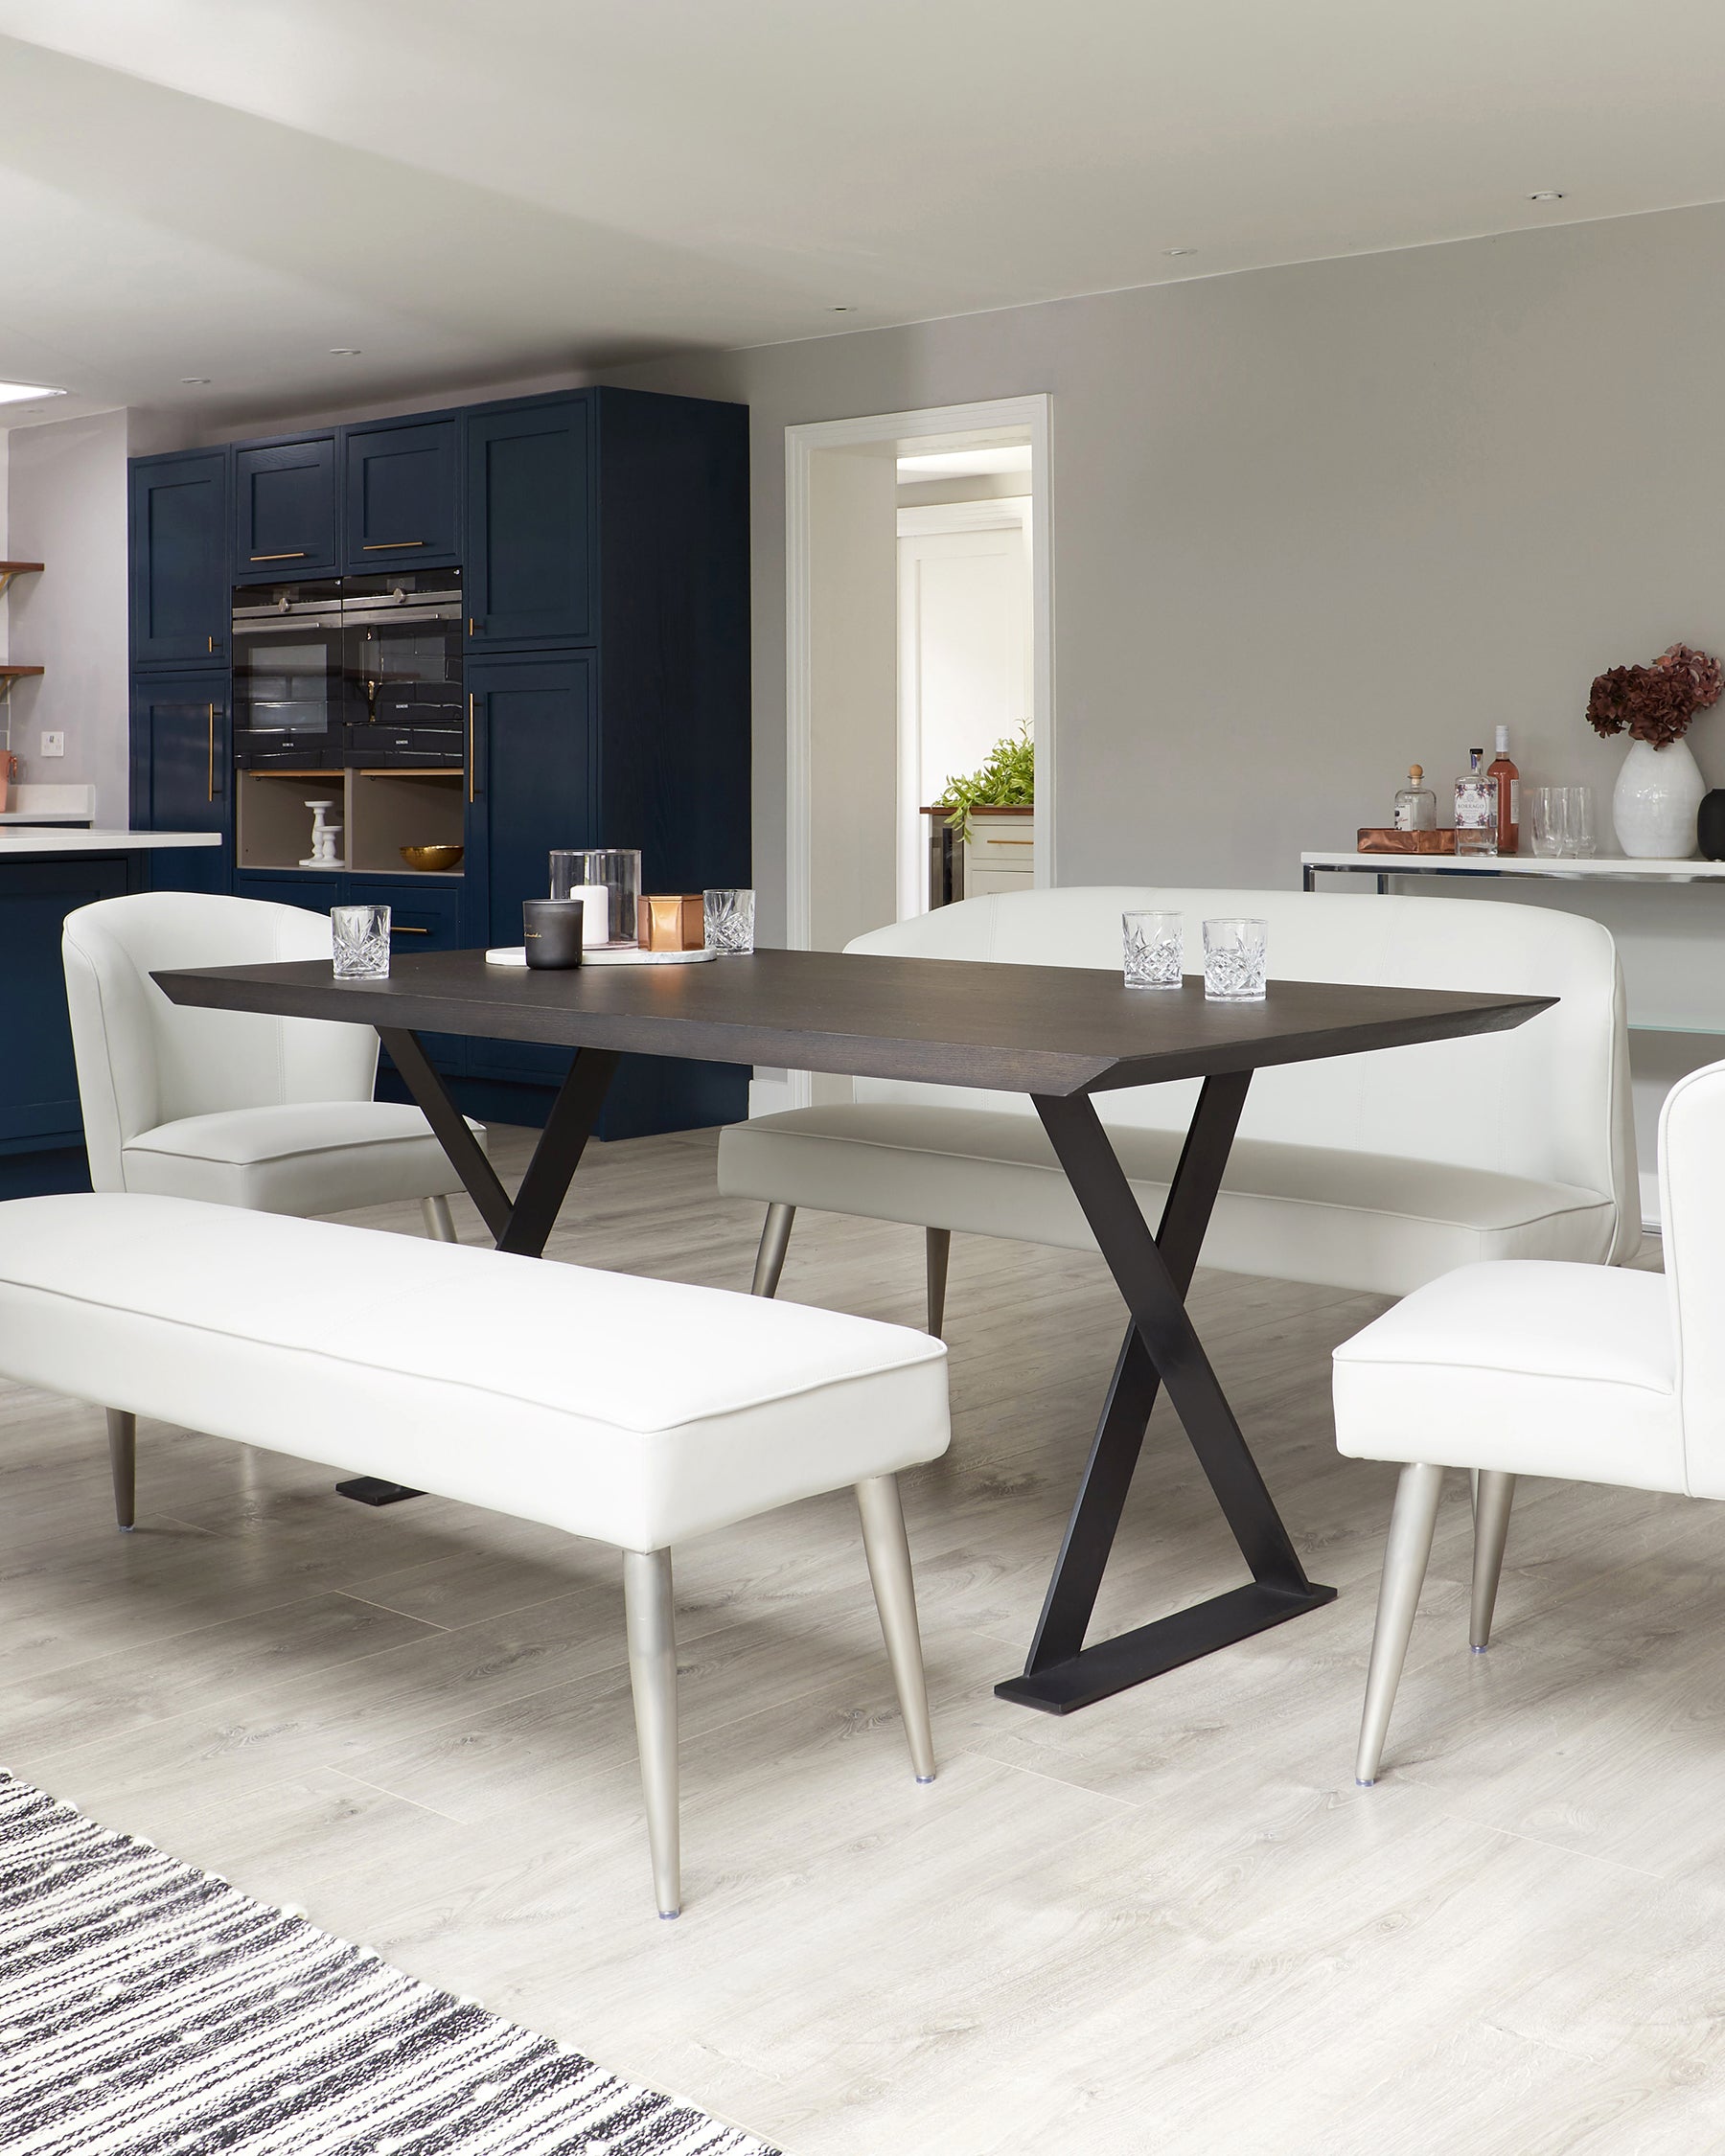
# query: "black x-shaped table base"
(1153, 1273)
(522, 1224)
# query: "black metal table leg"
(521, 1225)
(1153, 1273)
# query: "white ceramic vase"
(1655, 801)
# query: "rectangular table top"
(1033, 1029)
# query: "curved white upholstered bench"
(639, 1412)
(1371, 1171)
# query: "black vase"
(1709, 825)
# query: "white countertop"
(22, 840)
(1611, 869)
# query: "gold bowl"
(432, 857)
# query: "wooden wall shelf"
(10, 569)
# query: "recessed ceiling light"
(194, 381)
(1547, 195)
(344, 352)
(21, 392)
(840, 310)
(1180, 250)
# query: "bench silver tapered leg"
(440, 1221)
(769, 1259)
(123, 1459)
(1491, 1530)
(1412, 1525)
(652, 1674)
(939, 1243)
(888, 1552)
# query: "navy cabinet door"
(285, 509)
(530, 505)
(533, 784)
(178, 569)
(181, 775)
(402, 496)
(38, 1086)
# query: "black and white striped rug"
(152, 2009)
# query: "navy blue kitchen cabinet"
(285, 509)
(42, 1131)
(602, 541)
(531, 785)
(182, 773)
(402, 496)
(530, 514)
(179, 586)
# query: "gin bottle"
(1416, 804)
(1476, 807)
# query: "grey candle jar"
(551, 933)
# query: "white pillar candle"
(595, 919)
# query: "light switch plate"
(54, 744)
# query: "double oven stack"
(348, 672)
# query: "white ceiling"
(471, 192)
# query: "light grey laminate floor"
(1167, 1926)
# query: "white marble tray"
(626, 955)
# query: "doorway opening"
(919, 633)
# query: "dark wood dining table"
(1063, 1035)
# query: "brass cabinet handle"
(212, 793)
(298, 555)
(211, 642)
(389, 546)
(401, 929)
(1006, 842)
(474, 628)
(472, 796)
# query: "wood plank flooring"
(1169, 1924)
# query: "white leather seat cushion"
(1532, 1367)
(300, 1156)
(1294, 1212)
(638, 1411)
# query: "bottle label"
(1515, 801)
(1475, 802)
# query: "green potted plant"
(1006, 780)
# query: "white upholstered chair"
(1371, 1171)
(1581, 1373)
(231, 1107)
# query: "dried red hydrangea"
(1656, 704)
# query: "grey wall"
(1313, 524)
(1310, 524)
(66, 507)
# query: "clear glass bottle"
(1416, 804)
(1476, 808)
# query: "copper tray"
(1375, 838)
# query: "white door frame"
(1005, 414)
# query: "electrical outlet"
(54, 744)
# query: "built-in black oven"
(287, 676)
(359, 670)
(402, 667)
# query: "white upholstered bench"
(638, 1413)
(1373, 1172)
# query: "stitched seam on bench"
(1503, 1369)
(472, 1385)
